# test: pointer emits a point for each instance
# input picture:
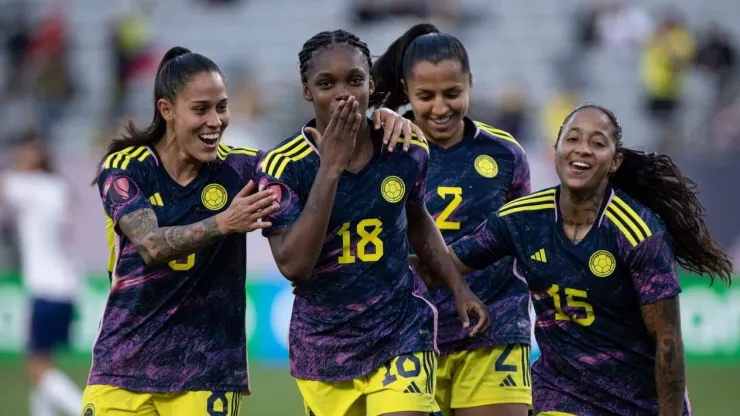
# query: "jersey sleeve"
(490, 242)
(419, 188)
(653, 270)
(122, 191)
(286, 187)
(520, 182)
(15, 189)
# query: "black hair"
(177, 67)
(326, 39)
(423, 42)
(657, 182)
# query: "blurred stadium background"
(72, 70)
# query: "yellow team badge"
(602, 263)
(486, 166)
(392, 189)
(214, 197)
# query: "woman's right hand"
(245, 211)
(338, 141)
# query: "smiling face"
(198, 116)
(586, 151)
(335, 73)
(440, 96)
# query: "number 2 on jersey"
(369, 231)
(571, 301)
(456, 193)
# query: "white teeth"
(209, 136)
(582, 165)
(442, 120)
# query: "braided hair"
(656, 181)
(325, 39)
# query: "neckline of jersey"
(202, 172)
(608, 195)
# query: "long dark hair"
(423, 42)
(657, 182)
(177, 67)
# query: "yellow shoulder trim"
(421, 143)
(121, 159)
(293, 151)
(628, 221)
(225, 150)
(501, 134)
(533, 202)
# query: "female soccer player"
(473, 170)
(172, 339)
(598, 254)
(40, 198)
(362, 335)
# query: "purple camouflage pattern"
(350, 318)
(597, 356)
(165, 330)
(505, 295)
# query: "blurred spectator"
(49, 54)
(247, 110)
(40, 200)
(368, 11)
(17, 42)
(131, 52)
(718, 55)
(666, 55)
(511, 112)
(555, 111)
(622, 25)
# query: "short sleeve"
(416, 194)
(122, 191)
(520, 182)
(490, 242)
(13, 187)
(289, 199)
(653, 270)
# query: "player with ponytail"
(473, 170)
(599, 254)
(178, 203)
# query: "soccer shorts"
(50, 321)
(405, 383)
(105, 400)
(486, 376)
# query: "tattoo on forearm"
(168, 243)
(662, 321)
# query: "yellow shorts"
(486, 376)
(549, 413)
(102, 400)
(405, 383)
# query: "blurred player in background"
(473, 170)
(41, 200)
(598, 253)
(172, 339)
(362, 335)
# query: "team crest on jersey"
(602, 263)
(392, 189)
(486, 166)
(214, 197)
(89, 410)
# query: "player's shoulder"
(631, 218)
(291, 154)
(540, 203)
(228, 153)
(131, 159)
(490, 135)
